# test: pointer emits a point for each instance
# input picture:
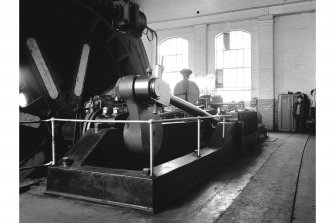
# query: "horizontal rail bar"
(38, 121)
(83, 120)
(126, 121)
(32, 167)
(189, 119)
(102, 121)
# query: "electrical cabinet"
(285, 110)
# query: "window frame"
(221, 71)
(184, 54)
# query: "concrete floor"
(274, 182)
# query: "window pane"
(244, 84)
(232, 79)
(234, 84)
(162, 47)
(179, 46)
(174, 63)
(246, 40)
(185, 46)
(226, 59)
(233, 39)
(173, 46)
(240, 79)
(185, 61)
(233, 59)
(219, 42)
(171, 63)
(168, 47)
(219, 59)
(247, 58)
(239, 58)
(247, 78)
(167, 62)
(239, 39)
(179, 62)
(226, 76)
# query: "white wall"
(162, 10)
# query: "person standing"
(313, 104)
(299, 115)
(186, 89)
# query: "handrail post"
(152, 174)
(223, 126)
(53, 141)
(198, 137)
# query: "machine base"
(133, 188)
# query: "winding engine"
(85, 60)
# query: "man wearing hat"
(187, 89)
(299, 115)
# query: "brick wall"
(200, 50)
(266, 70)
(294, 50)
(266, 108)
(275, 123)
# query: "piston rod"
(188, 107)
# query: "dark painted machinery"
(72, 52)
(85, 60)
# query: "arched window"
(233, 66)
(173, 52)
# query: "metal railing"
(150, 122)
